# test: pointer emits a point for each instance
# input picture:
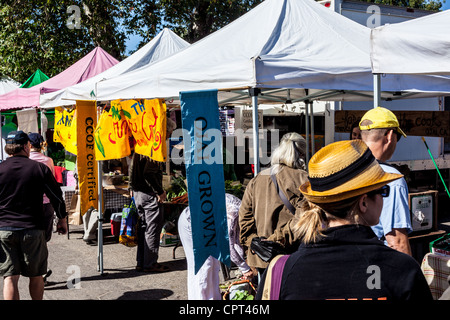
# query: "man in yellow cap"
(381, 132)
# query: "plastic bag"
(128, 226)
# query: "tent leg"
(1, 138)
(307, 130)
(313, 140)
(100, 220)
(100, 215)
(254, 94)
(376, 90)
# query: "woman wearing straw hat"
(340, 257)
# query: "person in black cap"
(23, 247)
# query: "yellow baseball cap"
(381, 118)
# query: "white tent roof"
(293, 44)
(417, 46)
(7, 85)
(163, 45)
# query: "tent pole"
(313, 141)
(376, 90)
(307, 130)
(1, 137)
(100, 211)
(254, 94)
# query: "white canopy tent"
(162, 46)
(419, 46)
(290, 44)
(7, 84)
(296, 44)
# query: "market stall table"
(114, 197)
(436, 269)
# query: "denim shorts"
(23, 252)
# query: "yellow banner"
(147, 122)
(66, 129)
(112, 134)
(86, 161)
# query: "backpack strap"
(274, 274)
(282, 196)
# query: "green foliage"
(35, 35)
(57, 156)
(177, 188)
(242, 295)
(193, 19)
(234, 188)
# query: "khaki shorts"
(23, 252)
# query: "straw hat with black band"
(343, 170)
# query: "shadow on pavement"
(150, 294)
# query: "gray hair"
(290, 152)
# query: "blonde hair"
(316, 218)
(290, 152)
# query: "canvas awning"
(288, 44)
(419, 46)
(90, 65)
(36, 78)
(163, 45)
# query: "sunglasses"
(399, 135)
(383, 191)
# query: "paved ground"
(73, 258)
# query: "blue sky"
(446, 5)
(132, 42)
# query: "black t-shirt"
(23, 183)
(351, 263)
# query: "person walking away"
(23, 246)
(381, 132)
(37, 145)
(340, 256)
(148, 193)
(205, 284)
(262, 212)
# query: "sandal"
(157, 268)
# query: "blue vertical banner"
(205, 179)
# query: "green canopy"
(37, 77)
